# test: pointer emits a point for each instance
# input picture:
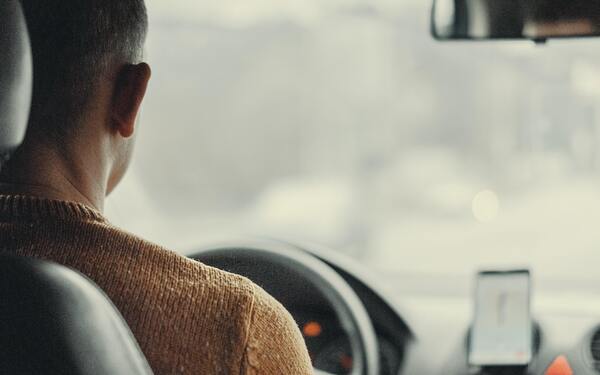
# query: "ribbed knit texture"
(187, 317)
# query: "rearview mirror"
(514, 19)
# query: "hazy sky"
(237, 13)
(343, 122)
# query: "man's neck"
(39, 170)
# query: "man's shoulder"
(191, 278)
(259, 330)
(275, 344)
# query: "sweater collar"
(21, 207)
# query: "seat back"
(55, 321)
(15, 75)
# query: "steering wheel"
(269, 263)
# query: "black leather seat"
(52, 319)
(15, 75)
(55, 321)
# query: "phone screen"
(501, 334)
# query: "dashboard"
(423, 333)
(436, 326)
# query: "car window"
(344, 123)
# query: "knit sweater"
(187, 317)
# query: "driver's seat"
(52, 319)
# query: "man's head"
(88, 79)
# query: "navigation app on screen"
(501, 333)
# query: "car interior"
(356, 318)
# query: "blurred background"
(342, 122)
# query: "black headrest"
(55, 321)
(15, 75)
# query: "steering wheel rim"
(244, 256)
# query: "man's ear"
(130, 88)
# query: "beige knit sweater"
(187, 317)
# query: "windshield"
(343, 123)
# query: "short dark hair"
(73, 42)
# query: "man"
(89, 84)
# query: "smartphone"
(502, 330)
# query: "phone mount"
(505, 369)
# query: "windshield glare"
(344, 123)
